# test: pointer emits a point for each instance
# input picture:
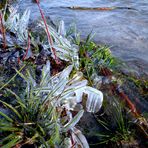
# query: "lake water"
(125, 30)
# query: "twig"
(48, 34)
(127, 100)
(99, 8)
(89, 8)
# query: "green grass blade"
(13, 142)
(9, 137)
(19, 100)
(21, 75)
(9, 128)
(12, 78)
(12, 108)
(6, 117)
(42, 130)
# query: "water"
(126, 31)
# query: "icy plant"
(44, 115)
(17, 24)
(65, 50)
(69, 90)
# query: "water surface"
(125, 30)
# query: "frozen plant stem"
(48, 34)
(28, 48)
(2, 30)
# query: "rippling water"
(126, 30)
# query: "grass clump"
(116, 124)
